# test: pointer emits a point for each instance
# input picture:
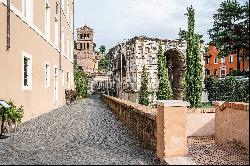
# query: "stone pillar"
(171, 128)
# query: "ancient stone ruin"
(127, 60)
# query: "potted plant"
(13, 117)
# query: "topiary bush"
(228, 89)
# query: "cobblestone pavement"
(208, 153)
(85, 132)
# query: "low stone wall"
(141, 120)
(200, 124)
(232, 122)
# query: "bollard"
(171, 128)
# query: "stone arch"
(176, 63)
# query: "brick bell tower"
(85, 53)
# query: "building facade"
(127, 59)
(221, 67)
(36, 53)
(85, 55)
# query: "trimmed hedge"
(229, 89)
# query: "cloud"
(115, 20)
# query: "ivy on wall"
(229, 89)
(80, 83)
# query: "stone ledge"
(235, 105)
(173, 103)
(178, 161)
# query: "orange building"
(223, 66)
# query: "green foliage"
(144, 94)
(193, 74)
(104, 62)
(14, 113)
(164, 91)
(228, 89)
(239, 73)
(102, 49)
(81, 83)
(230, 30)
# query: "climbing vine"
(80, 83)
(193, 73)
(164, 91)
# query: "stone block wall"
(232, 123)
(141, 120)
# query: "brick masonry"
(140, 120)
(232, 122)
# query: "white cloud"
(114, 20)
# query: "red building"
(223, 66)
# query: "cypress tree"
(164, 90)
(144, 94)
(193, 74)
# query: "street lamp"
(5, 106)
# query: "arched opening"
(176, 66)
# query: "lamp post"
(5, 106)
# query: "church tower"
(85, 53)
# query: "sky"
(114, 21)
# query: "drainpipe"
(60, 56)
(8, 24)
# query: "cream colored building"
(36, 53)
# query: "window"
(62, 77)
(207, 60)
(57, 7)
(207, 72)
(47, 75)
(223, 60)
(231, 59)
(27, 9)
(223, 73)
(87, 45)
(27, 71)
(216, 60)
(47, 20)
(215, 72)
(67, 79)
(56, 33)
(230, 70)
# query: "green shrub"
(80, 83)
(14, 113)
(228, 89)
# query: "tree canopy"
(230, 31)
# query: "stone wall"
(141, 120)
(232, 123)
(200, 124)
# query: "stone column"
(171, 128)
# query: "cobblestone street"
(85, 132)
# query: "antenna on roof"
(85, 22)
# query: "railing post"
(171, 128)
